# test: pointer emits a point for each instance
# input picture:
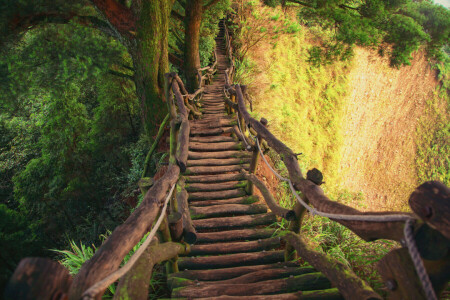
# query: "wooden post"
(255, 157)
(38, 278)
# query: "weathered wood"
(399, 276)
(240, 200)
(218, 155)
(232, 222)
(328, 294)
(270, 201)
(235, 235)
(226, 210)
(367, 230)
(203, 132)
(182, 152)
(189, 232)
(179, 98)
(225, 273)
(176, 225)
(256, 276)
(145, 183)
(304, 282)
(342, 276)
(134, 284)
(230, 260)
(236, 247)
(295, 226)
(217, 194)
(212, 139)
(213, 178)
(215, 146)
(108, 257)
(255, 159)
(38, 278)
(220, 186)
(218, 162)
(214, 169)
(431, 202)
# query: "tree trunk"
(193, 20)
(150, 58)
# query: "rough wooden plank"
(213, 178)
(327, 294)
(312, 281)
(233, 222)
(212, 139)
(218, 154)
(236, 247)
(219, 186)
(226, 210)
(230, 260)
(256, 276)
(214, 169)
(196, 146)
(189, 232)
(218, 162)
(240, 200)
(235, 235)
(217, 194)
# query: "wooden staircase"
(237, 255)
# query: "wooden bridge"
(215, 233)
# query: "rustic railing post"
(255, 157)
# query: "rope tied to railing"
(98, 287)
(408, 229)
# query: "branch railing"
(425, 202)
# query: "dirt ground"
(381, 117)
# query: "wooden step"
(210, 131)
(213, 178)
(230, 260)
(198, 170)
(217, 162)
(209, 187)
(226, 210)
(235, 235)
(239, 200)
(219, 154)
(196, 146)
(251, 277)
(227, 273)
(327, 294)
(236, 247)
(235, 222)
(217, 194)
(212, 139)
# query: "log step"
(212, 139)
(198, 170)
(202, 131)
(213, 178)
(236, 247)
(239, 200)
(230, 260)
(234, 222)
(235, 235)
(218, 154)
(217, 162)
(226, 273)
(220, 186)
(252, 277)
(327, 294)
(226, 210)
(305, 282)
(196, 146)
(217, 194)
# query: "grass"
(73, 260)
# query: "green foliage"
(397, 27)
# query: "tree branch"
(301, 3)
(120, 16)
